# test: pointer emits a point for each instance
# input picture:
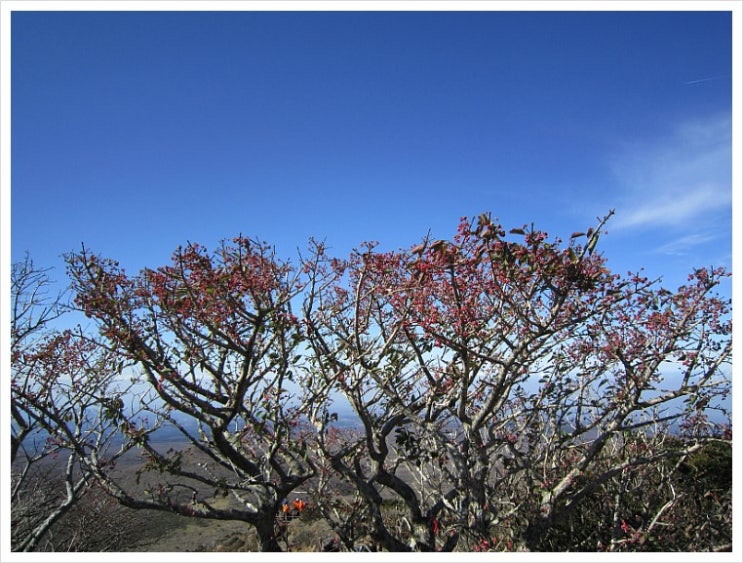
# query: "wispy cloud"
(681, 245)
(708, 79)
(675, 207)
(678, 181)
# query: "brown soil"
(160, 531)
(170, 532)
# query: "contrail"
(704, 79)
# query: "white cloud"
(680, 246)
(676, 181)
(675, 207)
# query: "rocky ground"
(172, 533)
(98, 523)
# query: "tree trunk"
(536, 531)
(266, 531)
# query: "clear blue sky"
(137, 132)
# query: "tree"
(358, 350)
(509, 389)
(61, 389)
(217, 348)
(510, 374)
(32, 311)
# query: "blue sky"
(137, 132)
